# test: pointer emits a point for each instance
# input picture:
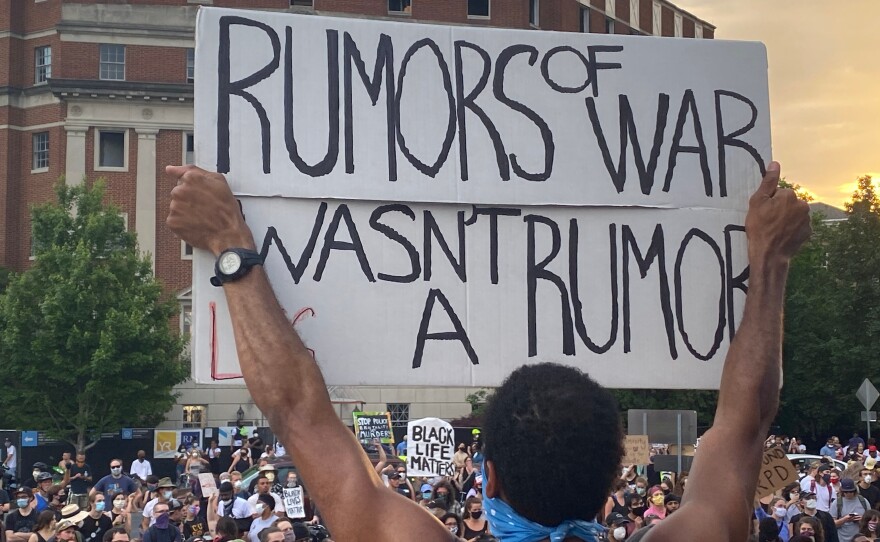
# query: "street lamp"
(239, 414)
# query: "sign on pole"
(430, 447)
(438, 205)
(868, 395)
(293, 502)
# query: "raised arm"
(777, 225)
(354, 502)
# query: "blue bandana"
(509, 526)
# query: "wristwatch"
(234, 263)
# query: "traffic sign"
(867, 394)
(869, 416)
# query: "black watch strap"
(249, 258)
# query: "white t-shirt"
(148, 510)
(258, 525)
(10, 453)
(142, 470)
(213, 453)
(279, 449)
(279, 504)
(240, 508)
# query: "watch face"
(229, 263)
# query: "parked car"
(802, 461)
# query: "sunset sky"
(824, 84)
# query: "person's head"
(636, 504)
(666, 486)
(65, 531)
(176, 510)
(271, 534)
(860, 447)
(453, 523)
(836, 441)
(778, 508)
(65, 456)
(461, 447)
(848, 488)
(57, 496)
(268, 505)
(656, 497)
(44, 482)
(225, 492)
(542, 403)
(116, 534)
(641, 486)
(96, 502)
(810, 527)
(226, 528)
(768, 530)
(116, 468)
(292, 479)
(263, 483)
(297, 531)
(616, 523)
(45, 521)
(166, 489)
(394, 479)
(443, 492)
(792, 491)
(213, 444)
(141, 455)
(191, 506)
(870, 523)
(473, 508)
(161, 508)
(672, 502)
(866, 475)
(80, 458)
(618, 485)
(118, 500)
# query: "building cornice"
(125, 90)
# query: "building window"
(658, 19)
(698, 31)
(40, 151)
(186, 251)
(186, 314)
(399, 6)
(189, 147)
(534, 10)
(399, 414)
(609, 25)
(111, 151)
(303, 3)
(478, 8)
(112, 62)
(679, 23)
(42, 64)
(634, 13)
(585, 19)
(194, 416)
(190, 65)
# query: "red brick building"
(104, 89)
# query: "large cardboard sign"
(636, 450)
(776, 473)
(369, 426)
(439, 205)
(430, 447)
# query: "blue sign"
(28, 439)
(127, 434)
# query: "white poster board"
(209, 485)
(430, 447)
(440, 205)
(294, 505)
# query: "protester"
(65, 531)
(768, 531)
(263, 487)
(98, 520)
(41, 495)
(20, 522)
(617, 500)
(80, 474)
(225, 530)
(165, 492)
(672, 503)
(214, 454)
(813, 528)
(11, 459)
(656, 503)
(263, 516)
(812, 512)
(454, 524)
(194, 523)
(618, 527)
(473, 520)
(270, 534)
(140, 467)
(44, 527)
(848, 511)
(121, 512)
(778, 513)
(115, 482)
(116, 534)
(231, 506)
(162, 530)
(534, 405)
(866, 489)
(868, 527)
(241, 459)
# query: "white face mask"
(780, 512)
(620, 533)
(811, 504)
(259, 507)
(872, 526)
(868, 479)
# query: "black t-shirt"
(872, 494)
(404, 490)
(4, 497)
(196, 527)
(79, 486)
(93, 529)
(18, 523)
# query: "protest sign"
(429, 449)
(293, 502)
(635, 449)
(209, 485)
(776, 472)
(373, 425)
(456, 202)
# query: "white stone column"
(145, 204)
(75, 166)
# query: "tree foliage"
(85, 339)
(833, 321)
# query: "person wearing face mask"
(264, 516)
(474, 521)
(453, 523)
(778, 513)
(231, 506)
(20, 522)
(120, 513)
(264, 487)
(848, 510)
(38, 468)
(426, 493)
(444, 494)
(656, 503)
(866, 488)
(829, 529)
(162, 530)
(618, 527)
(825, 492)
(812, 529)
(193, 522)
(868, 527)
(165, 491)
(641, 487)
(636, 511)
(98, 521)
(459, 456)
(115, 482)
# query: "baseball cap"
(872, 448)
(24, 490)
(847, 484)
(426, 487)
(395, 475)
(824, 467)
(616, 518)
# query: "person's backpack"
(862, 500)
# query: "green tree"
(85, 340)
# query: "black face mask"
(638, 510)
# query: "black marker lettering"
(733, 282)
(679, 294)
(330, 243)
(395, 236)
(296, 270)
(730, 140)
(577, 305)
(493, 213)
(458, 335)
(594, 65)
(689, 105)
(432, 230)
